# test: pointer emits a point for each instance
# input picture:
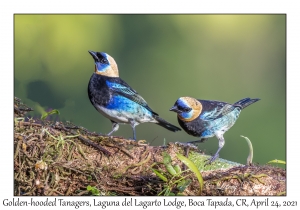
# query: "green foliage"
(250, 156)
(93, 190)
(277, 161)
(45, 115)
(166, 158)
(182, 185)
(176, 181)
(193, 168)
(200, 161)
(177, 169)
(19, 119)
(162, 177)
(167, 161)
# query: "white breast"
(123, 117)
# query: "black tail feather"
(166, 125)
(245, 102)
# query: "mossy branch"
(56, 158)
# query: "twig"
(121, 149)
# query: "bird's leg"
(133, 124)
(221, 144)
(115, 127)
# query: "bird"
(116, 100)
(208, 118)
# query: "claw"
(212, 159)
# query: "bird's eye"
(104, 61)
(184, 109)
(187, 109)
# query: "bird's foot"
(212, 159)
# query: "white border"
(291, 8)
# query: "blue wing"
(125, 90)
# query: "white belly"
(124, 117)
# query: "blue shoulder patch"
(120, 88)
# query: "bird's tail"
(245, 102)
(166, 125)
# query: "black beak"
(174, 109)
(94, 55)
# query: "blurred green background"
(162, 57)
